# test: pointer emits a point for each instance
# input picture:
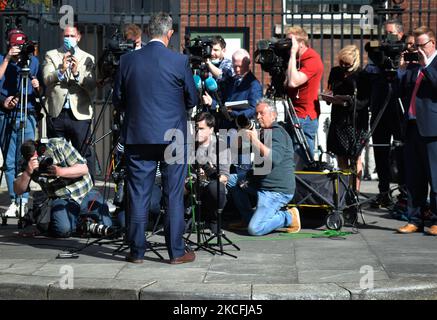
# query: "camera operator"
(133, 33)
(10, 115)
(63, 175)
(389, 125)
(219, 66)
(304, 73)
(206, 158)
(70, 79)
(419, 83)
(275, 189)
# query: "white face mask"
(215, 61)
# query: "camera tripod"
(197, 223)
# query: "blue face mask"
(69, 43)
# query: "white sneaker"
(12, 211)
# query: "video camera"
(273, 56)
(27, 49)
(199, 50)
(386, 54)
(115, 48)
(16, 37)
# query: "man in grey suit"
(70, 79)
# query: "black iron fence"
(331, 24)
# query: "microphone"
(212, 87)
(197, 82)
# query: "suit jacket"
(426, 98)
(155, 88)
(249, 89)
(80, 91)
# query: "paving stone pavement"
(373, 262)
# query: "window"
(322, 9)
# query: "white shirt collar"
(159, 40)
(431, 59)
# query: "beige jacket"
(80, 91)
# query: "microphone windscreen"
(197, 82)
(211, 84)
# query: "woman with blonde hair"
(349, 115)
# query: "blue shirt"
(10, 84)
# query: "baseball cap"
(16, 37)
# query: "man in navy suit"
(419, 83)
(154, 87)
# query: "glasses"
(418, 45)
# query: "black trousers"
(77, 132)
(389, 126)
(208, 196)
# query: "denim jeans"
(10, 141)
(309, 128)
(66, 213)
(267, 216)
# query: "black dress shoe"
(187, 257)
(133, 260)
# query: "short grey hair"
(398, 25)
(159, 24)
(269, 102)
(241, 54)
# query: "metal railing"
(331, 24)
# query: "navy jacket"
(155, 88)
(249, 89)
(426, 98)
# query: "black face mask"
(346, 69)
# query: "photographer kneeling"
(274, 182)
(63, 175)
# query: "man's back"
(158, 88)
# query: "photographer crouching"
(206, 158)
(63, 175)
(274, 183)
